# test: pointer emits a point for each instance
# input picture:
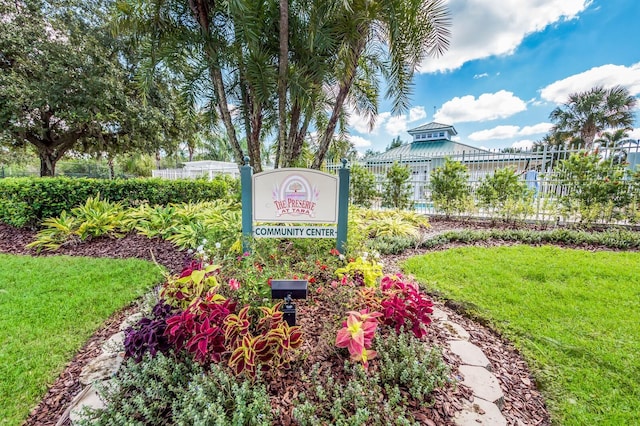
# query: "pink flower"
(234, 284)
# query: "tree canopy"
(67, 84)
(287, 67)
(585, 114)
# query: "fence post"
(343, 206)
(246, 173)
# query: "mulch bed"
(523, 403)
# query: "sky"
(509, 64)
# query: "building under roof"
(429, 140)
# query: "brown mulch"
(523, 403)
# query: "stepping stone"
(439, 314)
(484, 384)
(130, 321)
(114, 344)
(87, 398)
(103, 367)
(480, 412)
(456, 330)
(469, 353)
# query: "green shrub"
(143, 394)
(406, 362)
(164, 391)
(505, 194)
(360, 401)
(397, 187)
(25, 202)
(616, 238)
(363, 186)
(219, 398)
(450, 190)
(594, 189)
(391, 244)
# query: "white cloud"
(359, 142)
(535, 129)
(396, 125)
(507, 132)
(606, 75)
(361, 122)
(634, 134)
(488, 106)
(417, 113)
(483, 28)
(477, 76)
(498, 132)
(524, 144)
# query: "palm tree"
(612, 139)
(406, 31)
(586, 114)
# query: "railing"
(481, 164)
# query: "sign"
(295, 232)
(295, 196)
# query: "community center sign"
(295, 196)
(299, 199)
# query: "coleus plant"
(199, 328)
(404, 306)
(195, 281)
(266, 342)
(147, 335)
(357, 335)
(362, 270)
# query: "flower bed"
(215, 348)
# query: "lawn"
(574, 314)
(49, 307)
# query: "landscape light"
(289, 290)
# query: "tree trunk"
(282, 79)
(112, 171)
(48, 162)
(200, 10)
(345, 87)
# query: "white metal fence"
(481, 164)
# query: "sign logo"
(296, 197)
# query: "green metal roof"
(419, 150)
(433, 126)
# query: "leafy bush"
(391, 244)
(362, 270)
(93, 219)
(362, 400)
(505, 194)
(143, 393)
(617, 239)
(220, 399)
(200, 328)
(161, 391)
(363, 186)
(407, 362)
(594, 189)
(25, 202)
(194, 282)
(450, 190)
(396, 191)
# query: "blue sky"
(510, 63)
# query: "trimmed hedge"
(613, 238)
(25, 202)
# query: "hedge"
(25, 202)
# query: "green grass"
(574, 314)
(49, 307)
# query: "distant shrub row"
(25, 202)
